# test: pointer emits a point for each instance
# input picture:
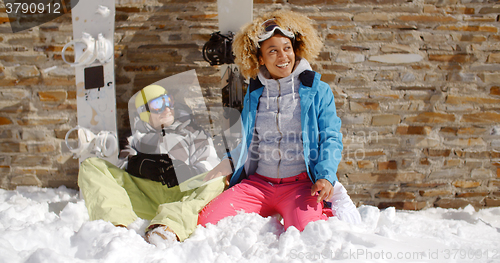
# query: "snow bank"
(51, 225)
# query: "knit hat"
(307, 42)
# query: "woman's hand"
(222, 169)
(325, 188)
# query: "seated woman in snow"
(287, 161)
(165, 149)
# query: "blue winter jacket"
(321, 135)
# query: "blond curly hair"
(246, 42)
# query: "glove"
(342, 205)
(155, 167)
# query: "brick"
(413, 130)
(448, 173)
(452, 163)
(385, 177)
(396, 48)
(395, 195)
(482, 173)
(385, 76)
(481, 117)
(426, 142)
(471, 194)
(468, 28)
(344, 18)
(395, 26)
(466, 184)
(453, 99)
(59, 81)
(458, 58)
(454, 203)
(480, 18)
(489, 10)
(435, 192)
(30, 160)
(12, 147)
(366, 164)
(492, 202)
(487, 47)
(26, 180)
(469, 38)
(153, 55)
(349, 57)
(383, 96)
(52, 96)
(431, 117)
(427, 18)
(345, 166)
(453, 67)
(490, 78)
(339, 37)
(493, 58)
(495, 91)
(461, 77)
(144, 68)
(465, 142)
(378, 36)
(382, 120)
(364, 106)
(370, 17)
(397, 58)
(424, 161)
(430, 88)
(23, 72)
(24, 59)
(409, 205)
(5, 121)
(356, 80)
(389, 165)
(36, 121)
(424, 185)
(44, 148)
(328, 77)
(306, 2)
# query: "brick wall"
(417, 86)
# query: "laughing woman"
(292, 143)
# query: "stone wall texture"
(416, 84)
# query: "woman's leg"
(250, 195)
(181, 215)
(111, 194)
(297, 206)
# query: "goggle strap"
(145, 100)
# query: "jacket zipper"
(278, 126)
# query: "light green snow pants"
(113, 195)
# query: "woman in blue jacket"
(291, 146)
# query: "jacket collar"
(306, 78)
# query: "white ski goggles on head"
(270, 26)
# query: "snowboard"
(93, 44)
(232, 16)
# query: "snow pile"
(51, 225)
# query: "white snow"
(51, 225)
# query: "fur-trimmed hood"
(245, 46)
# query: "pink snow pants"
(290, 197)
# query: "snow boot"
(161, 236)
